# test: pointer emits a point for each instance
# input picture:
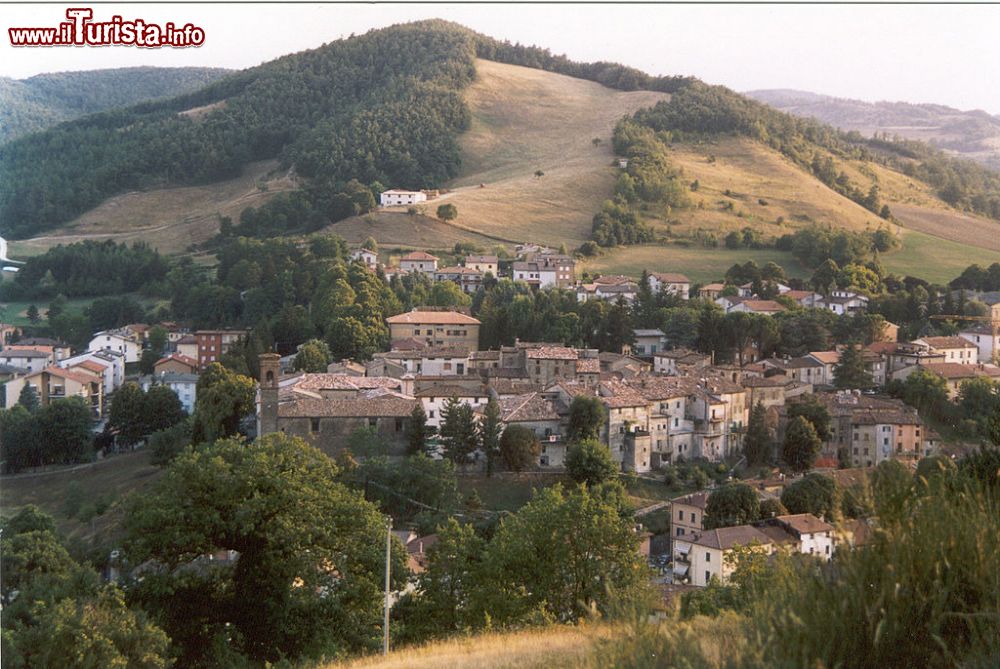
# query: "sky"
(915, 53)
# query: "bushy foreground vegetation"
(923, 592)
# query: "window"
(373, 422)
(680, 531)
(314, 425)
(399, 424)
(708, 558)
(430, 414)
(708, 576)
(692, 517)
(680, 515)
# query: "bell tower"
(267, 395)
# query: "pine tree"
(850, 372)
(458, 431)
(418, 431)
(28, 398)
(756, 444)
(490, 429)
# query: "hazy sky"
(943, 54)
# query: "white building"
(418, 261)
(112, 362)
(392, 198)
(369, 258)
(184, 386)
(984, 339)
(26, 359)
(955, 349)
(670, 282)
(433, 400)
(118, 341)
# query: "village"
(662, 405)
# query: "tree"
(813, 493)
(65, 431)
(926, 391)
(445, 589)
(458, 431)
(539, 174)
(28, 398)
(147, 361)
(418, 431)
(519, 447)
(770, 507)
(223, 399)
(313, 356)
(490, 430)
(311, 554)
(590, 462)
(815, 413)
(127, 415)
(370, 245)
(32, 314)
(850, 371)
(733, 504)
(158, 338)
(21, 444)
(757, 442)
(801, 445)
(586, 418)
(563, 554)
(447, 212)
(162, 409)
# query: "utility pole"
(388, 562)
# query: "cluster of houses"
(55, 372)
(661, 403)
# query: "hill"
(40, 102)
(524, 120)
(969, 134)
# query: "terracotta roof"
(725, 538)
(324, 381)
(527, 408)
(407, 344)
(713, 286)
(954, 370)
(485, 355)
(15, 352)
(505, 386)
(552, 353)
(699, 500)
(588, 366)
(456, 269)
(349, 408)
(763, 305)
(613, 280)
(179, 357)
(619, 395)
(670, 277)
(92, 365)
(79, 377)
(482, 259)
(946, 342)
(826, 357)
(655, 388)
(433, 318)
(418, 255)
(778, 534)
(446, 391)
(805, 523)
(797, 294)
(187, 339)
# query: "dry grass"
(538, 648)
(950, 225)
(392, 228)
(699, 264)
(169, 219)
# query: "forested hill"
(42, 101)
(383, 107)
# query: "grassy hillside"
(39, 102)
(169, 219)
(524, 120)
(101, 486)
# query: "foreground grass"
(555, 647)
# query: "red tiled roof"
(418, 255)
(432, 318)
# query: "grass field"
(107, 481)
(556, 647)
(698, 263)
(15, 313)
(935, 259)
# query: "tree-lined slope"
(39, 102)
